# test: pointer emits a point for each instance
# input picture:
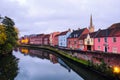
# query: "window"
(98, 47)
(74, 42)
(105, 39)
(114, 39)
(98, 39)
(88, 42)
(81, 41)
(114, 49)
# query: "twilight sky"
(46, 16)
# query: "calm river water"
(31, 64)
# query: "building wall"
(111, 46)
(99, 46)
(56, 41)
(52, 38)
(114, 46)
(73, 43)
(62, 40)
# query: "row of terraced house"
(107, 40)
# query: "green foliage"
(8, 67)
(8, 36)
(2, 34)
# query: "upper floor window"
(105, 39)
(114, 39)
(98, 39)
(81, 41)
(88, 42)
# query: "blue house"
(62, 38)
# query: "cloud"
(37, 16)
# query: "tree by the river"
(8, 35)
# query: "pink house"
(52, 38)
(108, 40)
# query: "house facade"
(108, 40)
(73, 41)
(62, 38)
(36, 39)
(56, 40)
(46, 39)
(52, 38)
(87, 40)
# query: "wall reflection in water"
(111, 60)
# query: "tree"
(2, 34)
(9, 35)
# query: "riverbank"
(80, 62)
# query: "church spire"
(91, 27)
(91, 24)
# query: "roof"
(116, 25)
(46, 35)
(92, 35)
(103, 33)
(63, 33)
(112, 31)
(76, 33)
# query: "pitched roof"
(116, 25)
(76, 33)
(112, 31)
(63, 33)
(103, 33)
(92, 35)
(46, 35)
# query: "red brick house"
(73, 41)
(36, 39)
(46, 39)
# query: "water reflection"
(42, 65)
(111, 60)
(8, 67)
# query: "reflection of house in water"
(63, 64)
(24, 50)
(39, 53)
(53, 58)
(110, 59)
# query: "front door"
(89, 47)
(105, 49)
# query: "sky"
(46, 16)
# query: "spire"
(91, 24)
(91, 27)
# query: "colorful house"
(62, 38)
(56, 40)
(52, 38)
(46, 39)
(108, 40)
(36, 39)
(73, 39)
(87, 40)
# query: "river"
(31, 64)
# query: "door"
(105, 49)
